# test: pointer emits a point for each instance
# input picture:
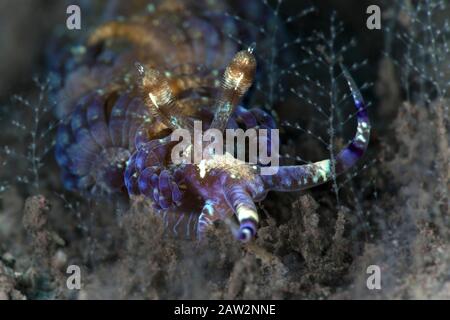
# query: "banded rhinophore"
(139, 78)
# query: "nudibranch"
(116, 139)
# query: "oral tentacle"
(206, 219)
(295, 178)
(244, 208)
(356, 148)
(237, 79)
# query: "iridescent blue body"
(115, 139)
